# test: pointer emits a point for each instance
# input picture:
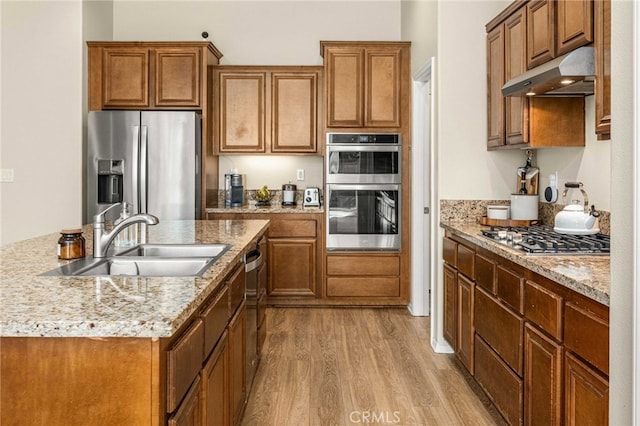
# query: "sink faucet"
(102, 239)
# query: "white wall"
(420, 26)
(262, 33)
(621, 343)
(41, 116)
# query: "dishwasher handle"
(252, 260)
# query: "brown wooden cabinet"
(540, 350)
(450, 305)
(541, 29)
(370, 275)
(586, 394)
(519, 38)
(542, 378)
(465, 322)
(188, 413)
(602, 24)
(267, 109)
(215, 385)
(294, 264)
(364, 83)
(237, 362)
(149, 75)
(574, 25)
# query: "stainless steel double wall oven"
(363, 178)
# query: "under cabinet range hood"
(568, 75)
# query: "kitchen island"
(121, 350)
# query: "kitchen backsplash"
(276, 196)
(472, 210)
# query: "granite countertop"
(153, 307)
(587, 275)
(274, 208)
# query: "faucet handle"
(99, 218)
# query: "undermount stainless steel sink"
(177, 250)
(148, 260)
(148, 266)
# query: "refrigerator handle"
(136, 169)
(143, 169)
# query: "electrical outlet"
(300, 174)
(6, 175)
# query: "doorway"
(422, 190)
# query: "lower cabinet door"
(542, 379)
(464, 347)
(188, 412)
(450, 325)
(292, 267)
(215, 386)
(238, 362)
(586, 394)
(501, 384)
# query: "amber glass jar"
(71, 244)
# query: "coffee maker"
(233, 190)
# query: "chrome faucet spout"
(102, 239)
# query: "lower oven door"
(363, 217)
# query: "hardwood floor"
(332, 366)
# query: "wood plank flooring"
(342, 366)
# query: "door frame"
(422, 196)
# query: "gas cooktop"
(543, 240)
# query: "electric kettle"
(575, 218)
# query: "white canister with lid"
(495, 211)
(524, 207)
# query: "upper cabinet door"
(382, 95)
(495, 80)
(540, 32)
(602, 18)
(241, 112)
(574, 24)
(294, 112)
(516, 108)
(178, 74)
(125, 77)
(344, 68)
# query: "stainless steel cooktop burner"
(543, 240)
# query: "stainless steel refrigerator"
(150, 159)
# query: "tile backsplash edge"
(471, 210)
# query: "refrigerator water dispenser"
(110, 181)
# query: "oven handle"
(363, 148)
(364, 187)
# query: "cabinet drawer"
(363, 265)
(184, 360)
(543, 308)
(237, 287)
(501, 328)
(292, 228)
(466, 260)
(363, 287)
(215, 317)
(510, 288)
(485, 271)
(450, 252)
(501, 384)
(587, 335)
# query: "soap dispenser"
(128, 236)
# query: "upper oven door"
(363, 164)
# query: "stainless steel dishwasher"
(253, 260)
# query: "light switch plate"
(300, 174)
(6, 175)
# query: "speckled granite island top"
(46, 306)
(587, 275)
